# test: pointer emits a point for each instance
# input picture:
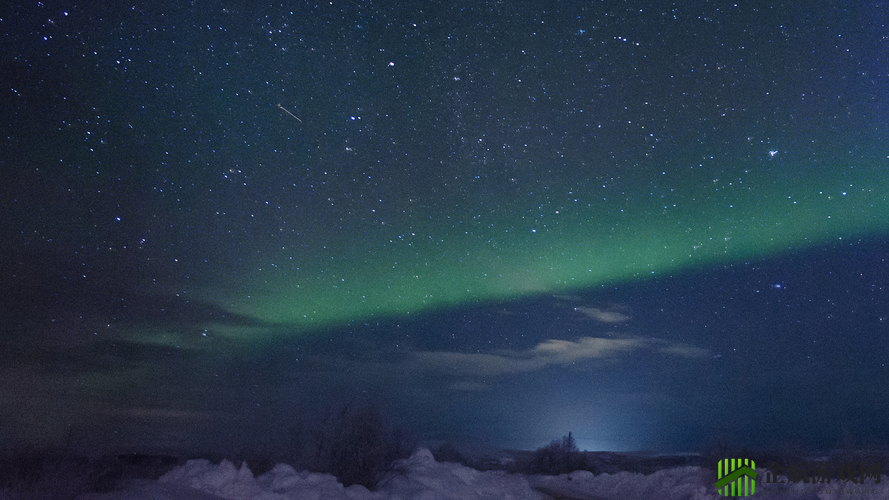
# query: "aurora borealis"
(504, 220)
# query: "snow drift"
(420, 477)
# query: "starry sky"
(655, 226)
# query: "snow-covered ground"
(423, 478)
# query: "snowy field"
(422, 478)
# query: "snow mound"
(427, 479)
(680, 483)
(283, 482)
(223, 480)
(420, 477)
(144, 489)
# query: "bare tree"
(356, 444)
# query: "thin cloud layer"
(602, 316)
(552, 352)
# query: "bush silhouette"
(359, 450)
(449, 453)
(356, 444)
(558, 457)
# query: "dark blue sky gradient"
(657, 228)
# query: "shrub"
(558, 457)
(356, 444)
(449, 453)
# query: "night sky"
(654, 226)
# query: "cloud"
(564, 352)
(603, 316)
(685, 351)
(552, 352)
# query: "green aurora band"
(570, 244)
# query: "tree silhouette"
(558, 457)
